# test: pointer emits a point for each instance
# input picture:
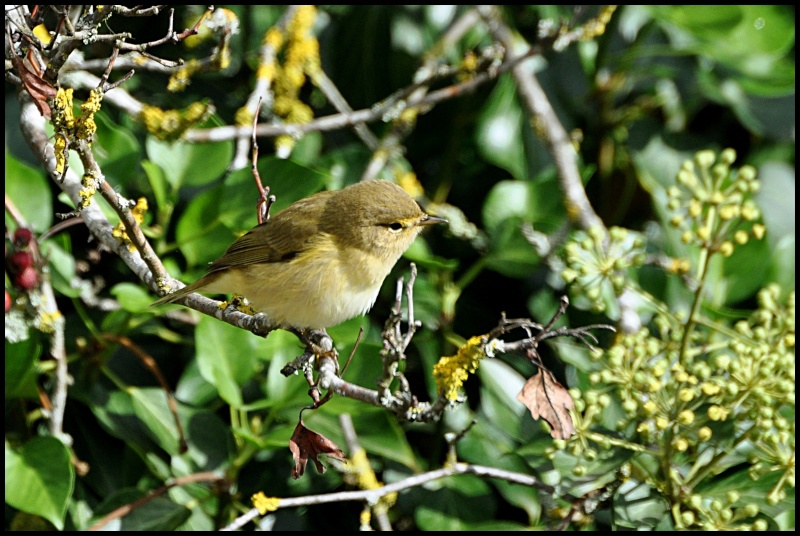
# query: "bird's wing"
(282, 238)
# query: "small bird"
(321, 260)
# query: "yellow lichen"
(169, 125)
(451, 371)
(265, 504)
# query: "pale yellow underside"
(311, 290)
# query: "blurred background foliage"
(660, 84)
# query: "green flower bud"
(727, 156)
(726, 248)
(741, 237)
(750, 510)
(704, 159)
(728, 212)
(618, 234)
(749, 211)
(747, 173)
(695, 208)
(687, 178)
(686, 417)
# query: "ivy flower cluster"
(693, 395)
(711, 203)
(597, 263)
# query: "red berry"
(9, 302)
(20, 260)
(27, 279)
(22, 237)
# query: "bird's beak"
(429, 220)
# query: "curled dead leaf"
(39, 89)
(548, 399)
(306, 444)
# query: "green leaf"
(190, 164)
(157, 514)
(279, 349)
(62, 268)
(454, 503)
(115, 412)
(133, 298)
(21, 373)
(200, 234)
(40, 479)
(743, 273)
(749, 491)
(503, 383)
(776, 198)
(752, 40)
(29, 190)
(499, 132)
(537, 202)
(193, 389)
(158, 184)
(209, 440)
(344, 165)
(638, 506)
(151, 407)
(508, 199)
(307, 150)
(227, 357)
(287, 180)
(117, 151)
(511, 254)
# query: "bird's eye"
(395, 227)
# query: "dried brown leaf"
(39, 89)
(306, 444)
(548, 399)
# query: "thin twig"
(178, 481)
(265, 200)
(535, 100)
(374, 495)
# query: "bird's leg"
(318, 345)
(318, 342)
